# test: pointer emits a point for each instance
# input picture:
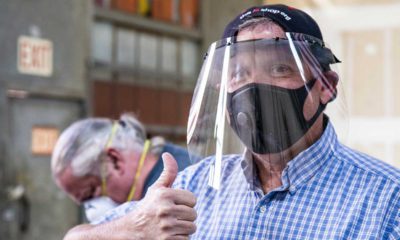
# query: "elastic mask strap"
(321, 106)
(139, 169)
(310, 84)
(103, 161)
(320, 109)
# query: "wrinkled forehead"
(261, 28)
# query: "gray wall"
(65, 23)
(54, 101)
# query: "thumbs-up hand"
(164, 213)
(169, 173)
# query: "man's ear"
(329, 84)
(116, 161)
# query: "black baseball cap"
(290, 19)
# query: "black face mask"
(269, 119)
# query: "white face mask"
(97, 207)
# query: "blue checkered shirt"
(329, 192)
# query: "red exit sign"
(35, 56)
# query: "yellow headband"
(139, 169)
(103, 163)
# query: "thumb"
(169, 173)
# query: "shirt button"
(263, 209)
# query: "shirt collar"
(301, 168)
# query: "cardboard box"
(189, 10)
(129, 6)
(165, 10)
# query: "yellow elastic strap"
(103, 163)
(139, 169)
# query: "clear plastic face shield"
(263, 95)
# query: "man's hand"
(164, 213)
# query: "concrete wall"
(65, 24)
(42, 210)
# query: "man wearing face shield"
(102, 163)
(268, 81)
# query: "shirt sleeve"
(393, 230)
(117, 212)
(395, 234)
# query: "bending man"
(102, 163)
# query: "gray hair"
(82, 145)
(251, 23)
